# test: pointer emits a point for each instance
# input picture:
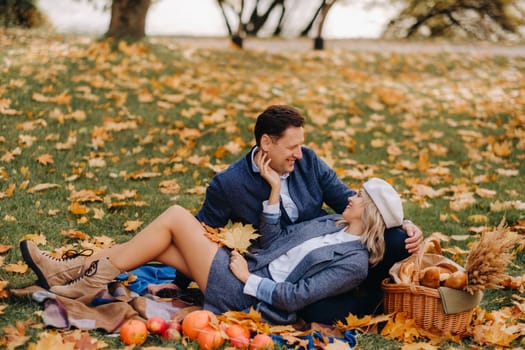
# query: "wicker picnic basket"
(423, 304)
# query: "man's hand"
(239, 266)
(415, 237)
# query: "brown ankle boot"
(94, 280)
(52, 271)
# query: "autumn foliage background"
(97, 138)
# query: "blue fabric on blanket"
(349, 338)
(148, 274)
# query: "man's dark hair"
(275, 120)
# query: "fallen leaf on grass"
(198, 190)
(86, 195)
(42, 187)
(352, 322)
(46, 159)
(19, 267)
(5, 248)
(169, 186)
(419, 346)
(401, 328)
(9, 218)
(337, 345)
(478, 219)
(73, 233)
(78, 209)
(141, 175)
(63, 98)
(38, 238)
(8, 192)
(132, 225)
(83, 340)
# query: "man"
(237, 194)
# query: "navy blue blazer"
(237, 193)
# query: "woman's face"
(355, 208)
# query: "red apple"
(156, 325)
(171, 334)
(175, 324)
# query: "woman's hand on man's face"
(263, 163)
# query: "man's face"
(284, 151)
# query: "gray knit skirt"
(224, 291)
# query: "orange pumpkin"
(209, 338)
(194, 322)
(261, 341)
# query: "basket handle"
(429, 242)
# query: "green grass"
(360, 107)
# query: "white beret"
(387, 200)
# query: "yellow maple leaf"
(78, 209)
(496, 333)
(169, 186)
(2, 308)
(238, 236)
(46, 159)
(19, 267)
(52, 340)
(251, 319)
(351, 322)
(132, 225)
(401, 328)
(503, 149)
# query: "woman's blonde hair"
(373, 236)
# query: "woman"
(294, 267)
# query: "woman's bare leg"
(175, 238)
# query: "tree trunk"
(128, 18)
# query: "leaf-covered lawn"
(98, 138)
